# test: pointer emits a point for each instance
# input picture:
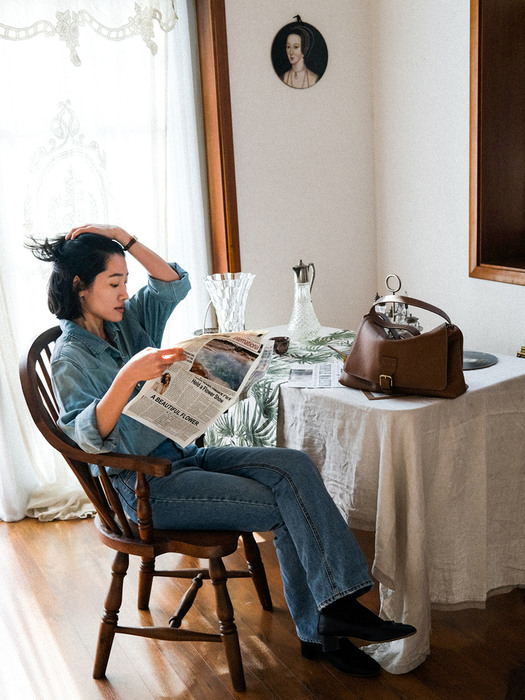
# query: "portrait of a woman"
(298, 45)
(163, 383)
(299, 55)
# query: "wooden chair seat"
(142, 539)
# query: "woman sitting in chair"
(108, 346)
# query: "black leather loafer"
(348, 658)
(373, 630)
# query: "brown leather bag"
(393, 358)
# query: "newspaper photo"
(324, 375)
(193, 392)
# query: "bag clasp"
(385, 382)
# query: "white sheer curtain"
(99, 123)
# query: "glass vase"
(229, 292)
(304, 324)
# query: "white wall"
(376, 152)
(421, 107)
(304, 161)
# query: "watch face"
(299, 55)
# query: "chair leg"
(146, 572)
(108, 625)
(227, 627)
(187, 601)
(257, 570)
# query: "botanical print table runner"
(253, 421)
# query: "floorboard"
(54, 580)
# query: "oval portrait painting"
(299, 55)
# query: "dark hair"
(84, 257)
(306, 37)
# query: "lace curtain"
(99, 123)
(65, 19)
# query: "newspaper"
(324, 375)
(218, 369)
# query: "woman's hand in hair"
(154, 265)
(109, 231)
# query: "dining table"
(441, 482)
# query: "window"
(95, 142)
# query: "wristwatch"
(131, 241)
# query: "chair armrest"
(155, 466)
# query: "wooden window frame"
(485, 227)
(218, 130)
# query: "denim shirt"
(83, 367)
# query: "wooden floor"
(54, 578)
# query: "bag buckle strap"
(386, 373)
(385, 382)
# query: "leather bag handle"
(394, 298)
(384, 322)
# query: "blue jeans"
(257, 490)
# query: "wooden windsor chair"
(128, 538)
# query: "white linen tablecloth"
(442, 483)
